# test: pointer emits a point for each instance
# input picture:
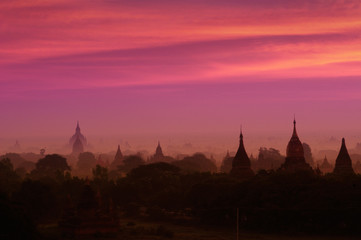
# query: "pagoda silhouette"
(326, 167)
(343, 165)
(158, 156)
(118, 159)
(78, 147)
(227, 163)
(76, 135)
(241, 165)
(295, 159)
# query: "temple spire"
(78, 146)
(76, 135)
(343, 163)
(118, 159)
(241, 135)
(241, 165)
(118, 155)
(294, 128)
(295, 158)
(158, 150)
(77, 129)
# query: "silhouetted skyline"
(155, 91)
(147, 68)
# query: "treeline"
(272, 201)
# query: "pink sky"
(163, 67)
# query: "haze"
(179, 72)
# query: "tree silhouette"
(86, 161)
(15, 159)
(9, 180)
(100, 173)
(131, 162)
(269, 158)
(196, 163)
(52, 165)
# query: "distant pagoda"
(159, 151)
(118, 159)
(158, 156)
(326, 167)
(77, 147)
(76, 135)
(226, 165)
(241, 165)
(295, 159)
(343, 163)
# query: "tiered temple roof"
(79, 135)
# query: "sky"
(186, 71)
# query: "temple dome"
(294, 147)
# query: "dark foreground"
(136, 229)
(172, 204)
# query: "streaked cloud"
(55, 52)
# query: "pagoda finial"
(77, 126)
(294, 119)
(294, 127)
(241, 132)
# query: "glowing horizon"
(180, 67)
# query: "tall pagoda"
(295, 159)
(343, 163)
(158, 156)
(76, 135)
(241, 165)
(118, 159)
(78, 147)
